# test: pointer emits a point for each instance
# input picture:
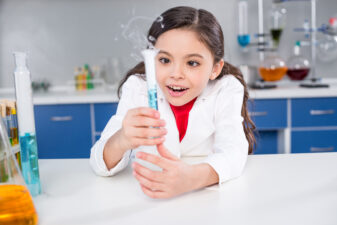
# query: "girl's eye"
(193, 63)
(164, 60)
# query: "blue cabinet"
(313, 125)
(313, 112)
(63, 131)
(266, 142)
(103, 113)
(269, 116)
(314, 141)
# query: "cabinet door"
(314, 141)
(103, 113)
(63, 131)
(312, 112)
(270, 114)
(266, 142)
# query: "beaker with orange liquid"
(16, 204)
(273, 68)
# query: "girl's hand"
(176, 178)
(142, 126)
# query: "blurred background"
(60, 35)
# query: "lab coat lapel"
(172, 136)
(200, 125)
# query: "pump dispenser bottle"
(25, 112)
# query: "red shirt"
(181, 114)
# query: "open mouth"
(176, 91)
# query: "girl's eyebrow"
(187, 56)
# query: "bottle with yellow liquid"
(16, 204)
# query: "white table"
(274, 189)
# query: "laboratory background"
(77, 51)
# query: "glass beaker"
(16, 204)
(273, 68)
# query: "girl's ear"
(217, 68)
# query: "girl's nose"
(177, 72)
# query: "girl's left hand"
(176, 177)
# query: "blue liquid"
(152, 95)
(244, 40)
(29, 161)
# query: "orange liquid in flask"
(275, 74)
(16, 206)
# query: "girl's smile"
(184, 65)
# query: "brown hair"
(210, 33)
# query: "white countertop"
(274, 189)
(62, 95)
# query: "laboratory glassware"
(26, 121)
(16, 204)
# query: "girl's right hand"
(142, 126)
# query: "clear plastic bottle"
(298, 65)
(16, 204)
(26, 121)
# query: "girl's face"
(184, 66)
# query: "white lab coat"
(214, 130)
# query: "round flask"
(298, 66)
(273, 68)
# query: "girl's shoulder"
(135, 79)
(227, 84)
(135, 85)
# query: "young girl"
(202, 111)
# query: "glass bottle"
(272, 68)
(298, 66)
(16, 204)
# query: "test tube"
(150, 70)
(243, 36)
(26, 121)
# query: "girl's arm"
(139, 127)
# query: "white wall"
(62, 34)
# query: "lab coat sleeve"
(230, 147)
(127, 101)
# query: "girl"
(202, 111)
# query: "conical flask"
(16, 204)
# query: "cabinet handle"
(317, 149)
(258, 113)
(321, 112)
(61, 118)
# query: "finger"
(144, 121)
(152, 185)
(154, 194)
(148, 141)
(145, 111)
(154, 159)
(148, 132)
(148, 174)
(164, 152)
